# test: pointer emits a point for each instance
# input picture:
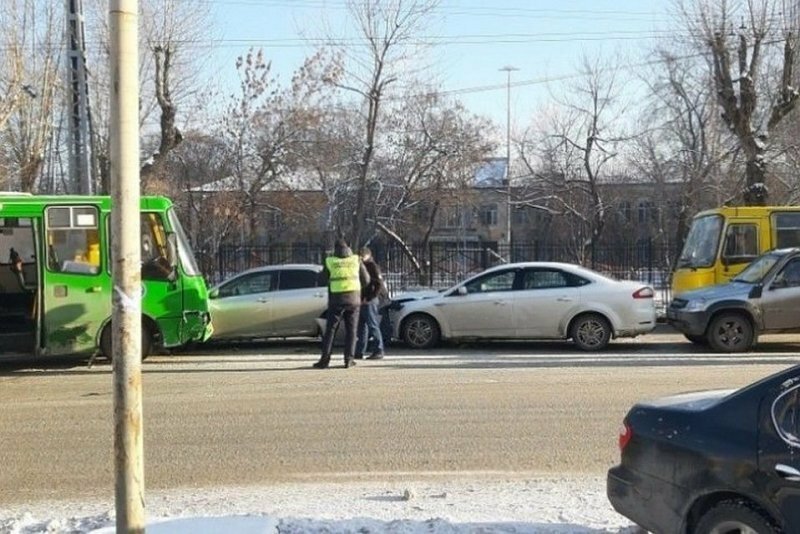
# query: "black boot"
(349, 362)
(322, 364)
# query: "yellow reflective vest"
(344, 273)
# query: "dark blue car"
(713, 462)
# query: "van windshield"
(184, 249)
(702, 243)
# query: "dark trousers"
(337, 312)
(369, 325)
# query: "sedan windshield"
(756, 271)
(700, 249)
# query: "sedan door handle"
(500, 303)
(564, 299)
(319, 295)
(788, 472)
(263, 301)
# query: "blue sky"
(544, 39)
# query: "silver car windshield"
(702, 243)
(756, 271)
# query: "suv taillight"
(644, 293)
(625, 435)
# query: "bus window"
(787, 229)
(73, 243)
(741, 243)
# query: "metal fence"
(440, 265)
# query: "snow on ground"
(542, 505)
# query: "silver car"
(534, 300)
(763, 298)
(274, 301)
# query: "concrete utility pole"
(79, 142)
(126, 266)
(508, 69)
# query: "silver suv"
(764, 298)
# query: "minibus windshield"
(702, 243)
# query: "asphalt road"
(259, 414)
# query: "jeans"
(369, 325)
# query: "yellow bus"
(723, 241)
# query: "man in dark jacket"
(345, 275)
(368, 317)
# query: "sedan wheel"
(591, 332)
(420, 331)
(730, 332)
(734, 518)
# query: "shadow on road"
(285, 355)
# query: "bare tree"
(752, 103)
(387, 30)
(27, 123)
(266, 125)
(169, 80)
(433, 150)
(568, 157)
(684, 142)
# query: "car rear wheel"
(421, 331)
(105, 341)
(730, 332)
(591, 332)
(734, 518)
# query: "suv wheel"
(734, 517)
(730, 332)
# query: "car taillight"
(644, 293)
(625, 435)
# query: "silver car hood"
(718, 292)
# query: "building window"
(451, 217)
(520, 216)
(488, 215)
(625, 211)
(647, 212)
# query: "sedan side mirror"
(462, 290)
(214, 293)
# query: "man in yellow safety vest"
(345, 274)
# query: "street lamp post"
(508, 69)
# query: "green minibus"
(56, 285)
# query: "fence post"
(430, 264)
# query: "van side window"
(741, 243)
(73, 241)
(787, 229)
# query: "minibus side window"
(73, 242)
(741, 243)
(787, 229)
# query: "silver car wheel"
(420, 332)
(591, 332)
(730, 333)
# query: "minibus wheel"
(147, 341)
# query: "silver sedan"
(529, 301)
(274, 301)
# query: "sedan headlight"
(695, 305)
